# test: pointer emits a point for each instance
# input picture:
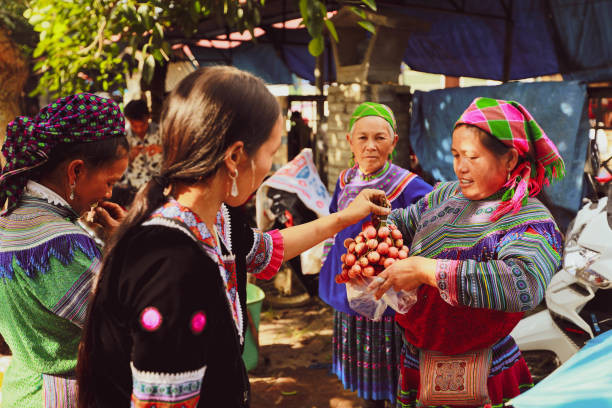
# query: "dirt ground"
(294, 361)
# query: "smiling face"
(480, 172)
(94, 184)
(371, 142)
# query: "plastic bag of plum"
(375, 248)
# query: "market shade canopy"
(494, 39)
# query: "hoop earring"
(234, 190)
(72, 186)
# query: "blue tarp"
(585, 380)
(559, 107)
(466, 38)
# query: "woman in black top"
(167, 319)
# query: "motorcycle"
(578, 299)
(294, 195)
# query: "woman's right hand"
(405, 274)
(363, 205)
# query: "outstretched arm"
(302, 237)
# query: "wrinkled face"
(139, 127)
(96, 184)
(371, 143)
(480, 172)
(253, 170)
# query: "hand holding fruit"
(366, 203)
(406, 274)
(371, 251)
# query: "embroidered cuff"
(446, 278)
(327, 246)
(267, 254)
(167, 390)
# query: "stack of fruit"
(371, 251)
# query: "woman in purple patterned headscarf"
(59, 164)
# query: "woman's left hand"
(364, 205)
(405, 274)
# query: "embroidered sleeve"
(406, 219)
(176, 315)
(73, 305)
(327, 247)
(172, 390)
(66, 288)
(513, 282)
(266, 255)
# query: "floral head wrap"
(513, 125)
(75, 118)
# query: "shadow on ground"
(294, 361)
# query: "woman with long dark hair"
(167, 320)
(59, 164)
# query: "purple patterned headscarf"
(76, 118)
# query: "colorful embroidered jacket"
(47, 266)
(490, 274)
(402, 188)
(168, 320)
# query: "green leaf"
(316, 45)
(368, 26)
(370, 3)
(332, 29)
(148, 69)
(304, 10)
(158, 31)
(359, 12)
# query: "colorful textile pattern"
(513, 125)
(508, 375)
(502, 268)
(147, 162)
(365, 355)
(73, 305)
(488, 274)
(181, 390)
(391, 179)
(37, 231)
(75, 118)
(48, 269)
(59, 392)
(267, 253)
(460, 377)
(263, 260)
(373, 109)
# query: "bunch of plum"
(371, 251)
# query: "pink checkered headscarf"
(510, 123)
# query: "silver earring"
(234, 191)
(72, 191)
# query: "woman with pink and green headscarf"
(483, 249)
(59, 164)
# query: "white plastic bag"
(360, 293)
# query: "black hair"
(136, 109)
(208, 111)
(94, 154)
